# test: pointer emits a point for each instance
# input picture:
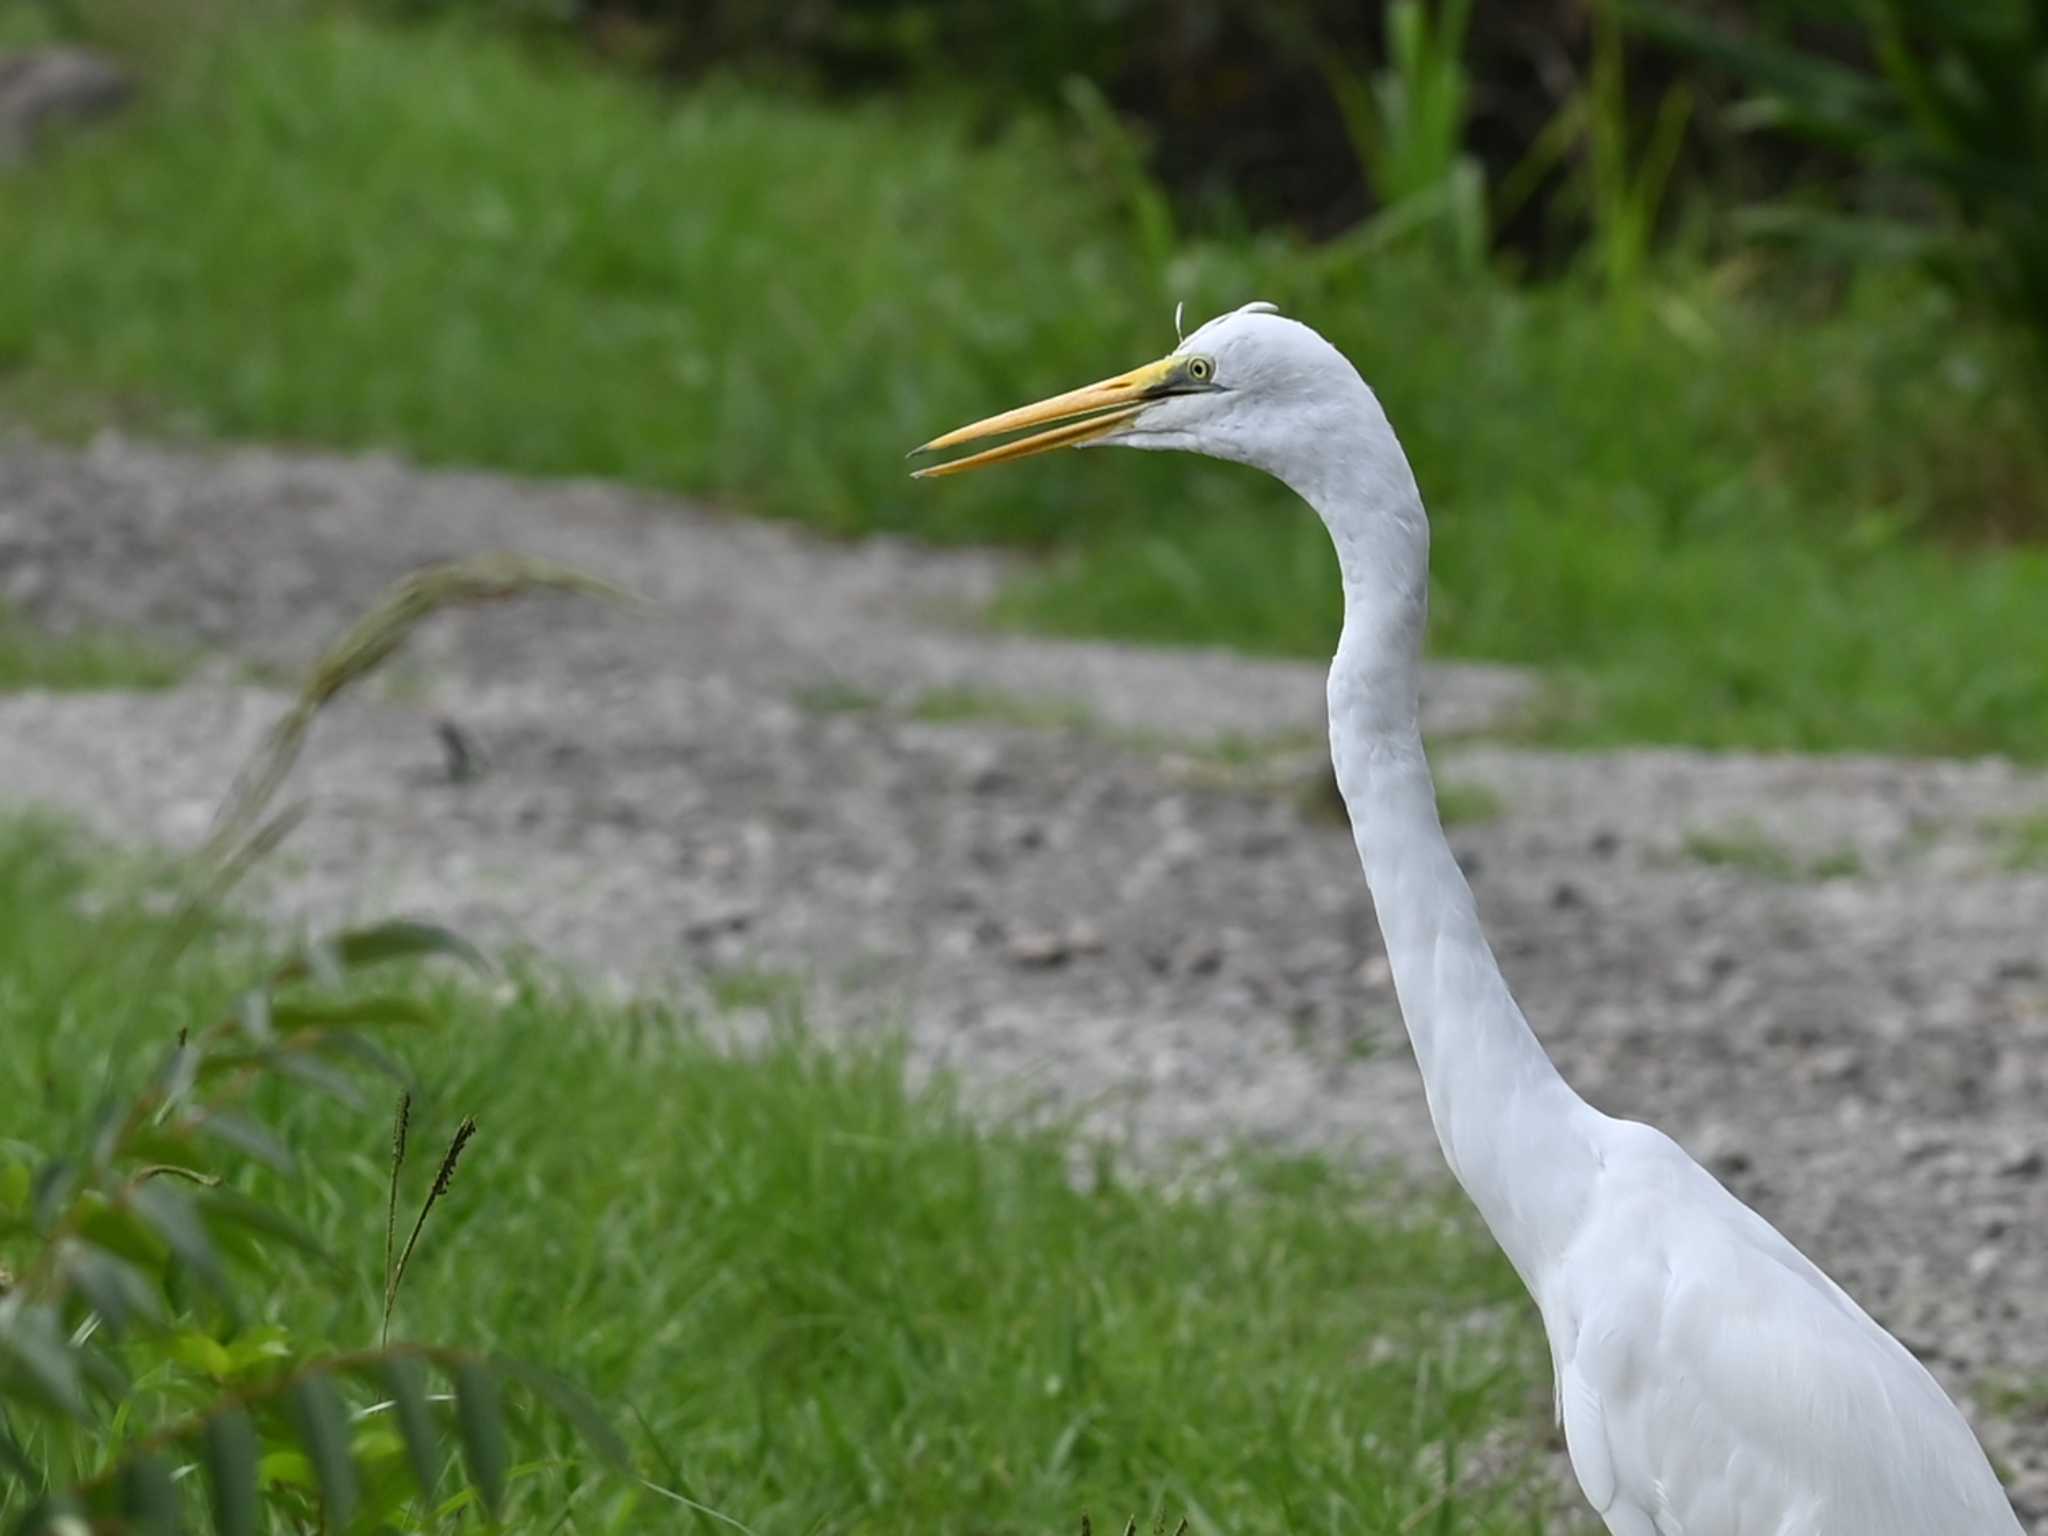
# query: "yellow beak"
(1076, 417)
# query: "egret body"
(1711, 1380)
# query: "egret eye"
(1201, 370)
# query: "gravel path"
(1819, 974)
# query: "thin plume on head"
(1255, 307)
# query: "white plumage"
(1710, 1379)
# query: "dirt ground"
(1085, 876)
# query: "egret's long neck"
(1496, 1100)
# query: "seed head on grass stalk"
(443, 1177)
(243, 832)
(370, 642)
(400, 1124)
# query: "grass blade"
(237, 1209)
(406, 1380)
(403, 939)
(51, 1191)
(228, 1446)
(171, 1215)
(13, 1457)
(149, 1498)
(113, 1287)
(323, 1426)
(34, 1340)
(247, 1137)
(323, 1075)
(356, 1013)
(358, 949)
(372, 1055)
(573, 1404)
(480, 1418)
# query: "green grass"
(819, 1300)
(1749, 850)
(748, 988)
(966, 702)
(2024, 841)
(89, 659)
(1721, 512)
(2016, 1397)
(836, 698)
(1463, 803)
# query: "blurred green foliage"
(1266, 111)
(32, 658)
(1742, 512)
(1314, 113)
(1559, 128)
(738, 293)
(1408, 123)
(1951, 97)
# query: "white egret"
(1711, 1380)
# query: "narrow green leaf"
(222, 1063)
(232, 1207)
(376, 1447)
(149, 1499)
(254, 1015)
(109, 1120)
(573, 1404)
(354, 1013)
(401, 939)
(265, 1348)
(171, 1214)
(248, 1137)
(286, 1467)
(121, 1231)
(287, 1061)
(229, 1447)
(456, 1502)
(112, 1286)
(480, 1418)
(203, 1354)
(321, 1074)
(54, 1182)
(381, 943)
(323, 1425)
(13, 1457)
(33, 1338)
(406, 1380)
(103, 1372)
(177, 1072)
(169, 1141)
(371, 1055)
(15, 1182)
(56, 1512)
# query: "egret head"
(1251, 386)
